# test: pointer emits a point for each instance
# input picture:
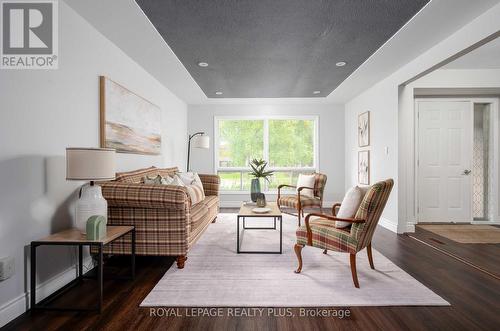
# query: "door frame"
(494, 111)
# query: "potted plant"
(258, 172)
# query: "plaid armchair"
(299, 202)
(322, 233)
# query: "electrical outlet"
(6, 267)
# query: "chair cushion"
(349, 206)
(326, 236)
(292, 201)
(307, 181)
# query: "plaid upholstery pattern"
(145, 196)
(292, 201)
(165, 221)
(158, 231)
(210, 184)
(319, 185)
(326, 236)
(371, 209)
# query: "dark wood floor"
(484, 256)
(474, 298)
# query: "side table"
(73, 237)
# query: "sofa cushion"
(211, 201)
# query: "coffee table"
(246, 212)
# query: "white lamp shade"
(202, 141)
(90, 163)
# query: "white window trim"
(314, 168)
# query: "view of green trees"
(240, 141)
(291, 144)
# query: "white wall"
(41, 113)
(331, 138)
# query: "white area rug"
(215, 276)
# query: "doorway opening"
(457, 156)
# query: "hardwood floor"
(484, 256)
(474, 298)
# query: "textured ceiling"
(275, 48)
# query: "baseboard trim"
(388, 224)
(486, 222)
(19, 305)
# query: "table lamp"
(90, 164)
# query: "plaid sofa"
(166, 222)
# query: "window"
(289, 144)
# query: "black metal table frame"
(239, 251)
(42, 304)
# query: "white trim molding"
(388, 224)
(19, 305)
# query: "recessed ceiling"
(485, 57)
(275, 48)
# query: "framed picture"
(128, 122)
(364, 129)
(364, 167)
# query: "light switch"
(386, 150)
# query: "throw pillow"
(176, 181)
(307, 181)
(349, 206)
(187, 177)
(196, 193)
(167, 180)
(152, 181)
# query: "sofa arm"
(210, 183)
(145, 196)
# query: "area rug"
(466, 233)
(215, 276)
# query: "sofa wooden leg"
(298, 252)
(215, 219)
(298, 216)
(181, 260)
(325, 251)
(353, 270)
(370, 256)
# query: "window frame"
(266, 119)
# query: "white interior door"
(444, 160)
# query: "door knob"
(466, 172)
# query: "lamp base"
(91, 203)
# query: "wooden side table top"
(73, 236)
(246, 211)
